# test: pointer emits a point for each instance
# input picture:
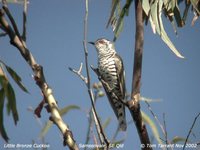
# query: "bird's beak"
(91, 43)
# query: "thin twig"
(90, 120)
(99, 127)
(165, 130)
(101, 134)
(39, 77)
(78, 73)
(7, 11)
(156, 118)
(195, 119)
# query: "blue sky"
(55, 36)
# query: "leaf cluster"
(7, 93)
(153, 12)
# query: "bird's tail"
(122, 125)
(122, 118)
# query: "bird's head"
(103, 46)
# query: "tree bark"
(134, 104)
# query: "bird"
(111, 73)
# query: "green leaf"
(152, 125)
(177, 139)
(166, 39)
(14, 1)
(45, 129)
(106, 123)
(119, 28)
(9, 94)
(149, 99)
(62, 112)
(146, 6)
(114, 5)
(3, 81)
(156, 12)
(186, 11)
(171, 19)
(3, 78)
(177, 16)
(66, 109)
(194, 4)
(16, 78)
(119, 25)
(2, 128)
(11, 105)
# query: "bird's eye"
(101, 42)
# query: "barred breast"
(107, 69)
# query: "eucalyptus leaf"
(152, 125)
(3, 81)
(2, 128)
(14, 1)
(119, 25)
(194, 4)
(16, 78)
(156, 12)
(177, 139)
(149, 100)
(66, 109)
(62, 112)
(114, 5)
(177, 15)
(146, 6)
(166, 39)
(186, 11)
(106, 123)
(45, 129)
(11, 105)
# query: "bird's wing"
(112, 97)
(115, 98)
(121, 76)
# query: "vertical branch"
(99, 128)
(133, 104)
(90, 121)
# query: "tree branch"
(99, 128)
(195, 119)
(90, 120)
(133, 104)
(78, 73)
(101, 134)
(39, 77)
(163, 128)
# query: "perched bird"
(111, 73)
